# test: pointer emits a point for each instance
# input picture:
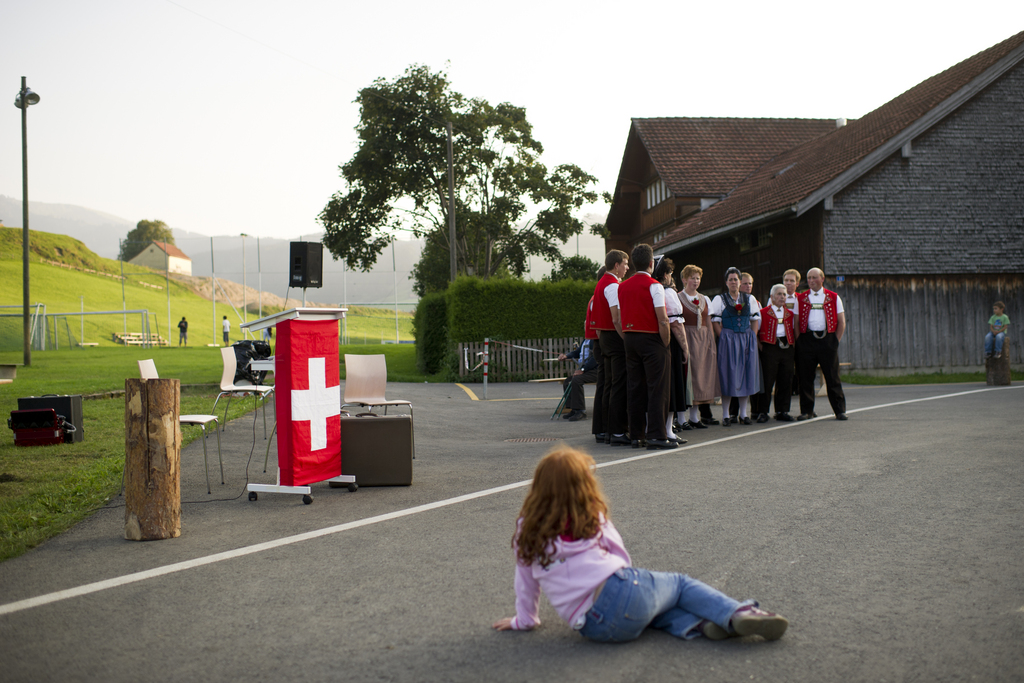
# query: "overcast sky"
(230, 116)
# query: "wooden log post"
(997, 370)
(152, 450)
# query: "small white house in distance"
(160, 255)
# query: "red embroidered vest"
(769, 324)
(588, 331)
(636, 305)
(829, 306)
(601, 317)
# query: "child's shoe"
(753, 621)
(713, 631)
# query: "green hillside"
(65, 276)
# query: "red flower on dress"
(696, 301)
(739, 308)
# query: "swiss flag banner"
(308, 401)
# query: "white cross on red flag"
(308, 401)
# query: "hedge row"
(472, 309)
(430, 328)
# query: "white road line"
(136, 577)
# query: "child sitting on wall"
(997, 325)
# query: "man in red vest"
(591, 333)
(776, 341)
(609, 424)
(648, 358)
(822, 324)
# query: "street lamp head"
(30, 98)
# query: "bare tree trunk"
(152, 448)
(997, 370)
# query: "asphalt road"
(891, 541)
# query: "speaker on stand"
(306, 266)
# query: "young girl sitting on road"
(566, 545)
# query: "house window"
(657, 192)
(755, 239)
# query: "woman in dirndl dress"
(700, 342)
(680, 392)
(735, 316)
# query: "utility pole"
(245, 300)
(451, 207)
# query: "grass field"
(45, 490)
(68, 289)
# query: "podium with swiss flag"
(307, 389)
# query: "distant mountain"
(267, 266)
(99, 231)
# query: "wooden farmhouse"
(164, 256)
(915, 212)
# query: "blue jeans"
(998, 339)
(633, 599)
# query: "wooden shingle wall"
(927, 323)
(954, 205)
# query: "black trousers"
(777, 368)
(597, 425)
(648, 366)
(613, 359)
(812, 353)
(577, 401)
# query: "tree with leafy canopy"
(139, 238)
(508, 206)
(574, 268)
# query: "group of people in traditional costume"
(661, 356)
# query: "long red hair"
(565, 498)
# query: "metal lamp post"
(24, 99)
(245, 299)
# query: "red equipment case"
(39, 427)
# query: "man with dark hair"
(591, 334)
(645, 326)
(586, 373)
(822, 324)
(604, 319)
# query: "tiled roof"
(172, 250)
(708, 157)
(791, 180)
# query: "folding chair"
(229, 388)
(147, 370)
(563, 401)
(365, 380)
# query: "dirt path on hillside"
(203, 287)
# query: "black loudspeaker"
(306, 267)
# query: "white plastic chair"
(229, 388)
(147, 370)
(366, 378)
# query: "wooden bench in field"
(139, 339)
(8, 371)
